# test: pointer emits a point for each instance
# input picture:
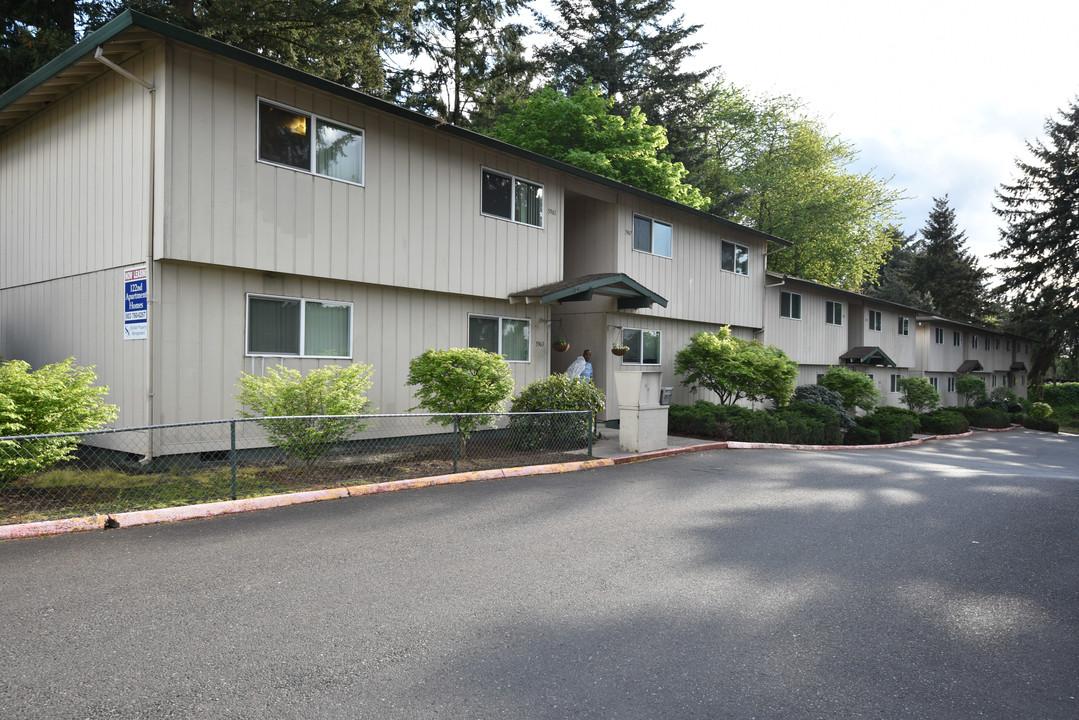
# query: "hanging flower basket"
(560, 346)
(619, 350)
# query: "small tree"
(555, 392)
(462, 380)
(286, 393)
(734, 368)
(918, 393)
(820, 395)
(971, 389)
(57, 398)
(856, 389)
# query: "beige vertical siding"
(809, 341)
(415, 223)
(75, 181)
(201, 323)
(81, 317)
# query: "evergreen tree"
(636, 55)
(470, 59)
(893, 284)
(33, 32)
(945, 271)
(1040, 240)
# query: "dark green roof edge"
(132, 18)
(601, 283)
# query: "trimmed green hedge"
(1047, 424)
(1060, 395)
(891, 423)
(984, 417)
(943, 422)
(860, 435)
(797, 423)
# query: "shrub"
(971, 389)
(736, 369)
(1041, 411)
(943, 422)
(1060, 395)
(1005, 399)
(555, 392)
(892, 424)
(462, 380)
(856, 389)
(820, 395)
(56, 398)
(801, 423)
(860, 435)
(705, 419)
(1046, 424)
(821, 423)
(332, 390)
(984, 417)
(918, 394)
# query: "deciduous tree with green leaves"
(289, 394)
(56, 398)
(918, 394)
(972, 389)
(580, 129)
(467, 383)
(736, 369)
(857, 389)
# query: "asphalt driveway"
(936, 581)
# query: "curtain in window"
(339, 153)
(326, 329)
(273, 326)
(529, 199)
(515, 339)
(483, 333)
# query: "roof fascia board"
(130, 18)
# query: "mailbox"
(665, 395)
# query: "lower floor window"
(895, 382)
(951, 384)
(508, 337)
(295, 326)
(933, 382)
(644, 346)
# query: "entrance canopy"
(631, 294)
(867, 356)
(970, 366)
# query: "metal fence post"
(455, 441)
(591, 431)
(232, 455)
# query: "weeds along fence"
(120, 470)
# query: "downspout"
(99, 55)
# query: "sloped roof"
(868, 355)
(125, 35)
(970, 366)
(630, 293)
(1018, 366)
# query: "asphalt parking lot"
(936, 581)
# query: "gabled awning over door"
(866, 356)
(970, 366)
(630, 293)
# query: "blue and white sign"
(136, 302)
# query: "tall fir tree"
(637, 54)
(1040, 240)
(945, 271)
(33, 32)
(468, 60)
(893, 282)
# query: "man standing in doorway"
(582, 366)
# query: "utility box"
(642, 417)
(665, 395)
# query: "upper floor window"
(957, 338)
(904, 326)
(509, 337)
(303, 141)
(939, 336)
(1007, 344)
(974, 341)
(833, 313)
(651, 236)
(295, 326)
(735, 258)
(790, 305)
(875, 320)
(644, 346)
(512, 198)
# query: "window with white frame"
(904, 325)
(939, 336)
(509, 337)
(951, 384)
(933, 382)
(790, 305)
(833, 313)
(644, 346)
(279, 326)
(957, 338)
(305, 141)
(895, 383)
(875, 320)
(511, 198)
(734, 258)
(651, 236)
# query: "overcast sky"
(940, 94)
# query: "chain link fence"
(46, 477)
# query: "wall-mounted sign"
(136, 302)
